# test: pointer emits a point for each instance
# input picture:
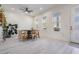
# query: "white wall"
(64, 33)
(23, 21)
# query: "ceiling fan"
(27, 10)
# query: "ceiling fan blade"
(22, 9)
(30, 10)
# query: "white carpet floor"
(36, 46)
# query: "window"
(56, 21)
(44, 19)
(36, 23)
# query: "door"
(75, 24)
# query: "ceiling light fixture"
(13, 9)
(41, 8)
(26, 12)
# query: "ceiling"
(37, 8)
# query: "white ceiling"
(34, 7)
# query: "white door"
(75, 24)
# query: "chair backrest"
(33, 31)
(29, 32)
